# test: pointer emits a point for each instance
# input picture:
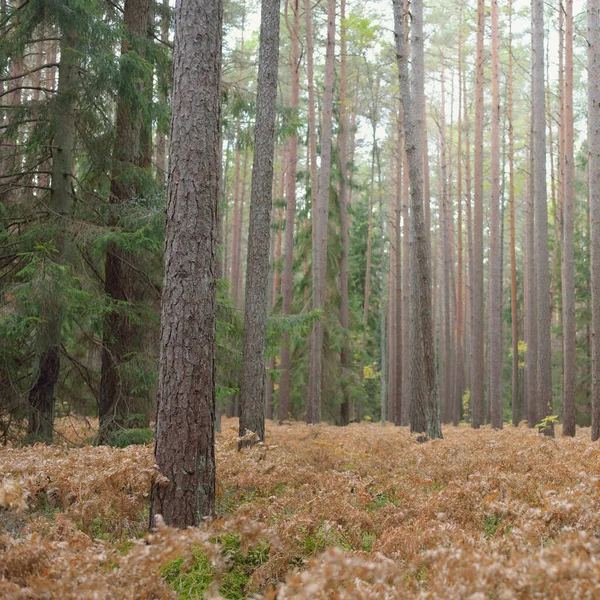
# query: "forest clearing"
(315, 512)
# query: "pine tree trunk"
(288, 258)
(252, 407)
(542, 289)
(477, 335)
(568, 283)
(516, 410)
(184, 449)
(593, 38)
(46, 367)
(122, 337)
(495, 300)
(320, 219)
(459, 377)
(344, 224)
(425, 415)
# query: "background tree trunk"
(568, 283)
(252, 407)
(320, 219)
(495, 300)
(542, 289)
(593, 37)
(477, 335)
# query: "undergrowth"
(315, 512)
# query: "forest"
(299, 299)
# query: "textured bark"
(122, 336)
(495, 276)
(184, 449)
(425, 416)
(542, 289)
(516, 410)
(568, 265)
(477, 315)
(344, 223)
(46, 366)
(593, 37)
(252, 407)
(320, 219)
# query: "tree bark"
(320, 219)
(184, 449)
(425, 410)
(593, 38)
(542, 289)
(568, 283)
(252, 407)
(516, 410)
(288, 258)
(477, 335)
(495, 300)
(344, 222)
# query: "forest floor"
(315, 512)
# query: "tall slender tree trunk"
(477, 335)
(46, 367)
(290, 209)
(184, 449)
(568, 283)
(367, 291)
(122, 337)
(593, 38)
(406, 281)
(344, 224)
(459, 377)
(425, 410)
(252, 407)
(320, 219)
(495, 300)
(542, 289)
(516, 411)
(399, 316)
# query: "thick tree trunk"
(568, 283)
(425, 410)
(593, 38)
(495, 300)
(252, 407)
(542, 289)
(477, 335)
(46, 367)
(320, 219)
(184, 448)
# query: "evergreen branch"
(31, 72)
